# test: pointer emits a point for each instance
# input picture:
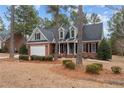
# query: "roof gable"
(35, 31)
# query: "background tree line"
(116, 29)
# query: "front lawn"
(14, 73)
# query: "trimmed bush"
(23, 50)
(104, 50)
(49, 58)
(98, 64)
(0, 50)
(116, 69)
(24, 57)
(40, 58)
(70, 65)
(93, 68)
(65, 61)
(4, 50)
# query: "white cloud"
(37, 7)
(102, 6)
(106, 12)
(71, 9)
(104, 18)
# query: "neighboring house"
(42, 42)
(3, 35)
(18, 40)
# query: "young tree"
(79, 44)
(104, 50)
(12, 33)
(55, 11)
(94, 18)
(116, 28)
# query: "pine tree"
(104, 50)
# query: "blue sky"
(104, 13)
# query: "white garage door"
(38, 50)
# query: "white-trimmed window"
(72, 33)
(84, 47)
(61, 33)
(93, 47)
(37, 36)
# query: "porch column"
(59, 48)
(82, 47)
(74, 49)
(67, 48)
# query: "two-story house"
(42, 41)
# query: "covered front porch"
(69, 49)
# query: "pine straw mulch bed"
(105, 76)
(22, 61)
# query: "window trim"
(71, 32)
(60, 35)
(93, 49)
(61, 30)
(84, 47)
(37, 36)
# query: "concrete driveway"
(6, 55)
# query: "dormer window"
(72, 33)
(37, 36)
(61, 33)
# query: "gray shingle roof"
(90, 32)
(48, 33)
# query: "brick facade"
(18, 41)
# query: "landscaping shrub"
(65, 61)
(24, 57)
(0, 50)
(98, 64)
(93, 68)
(70, 65)
(4, 49)
(49, 58)
(23, 50)
(40, 58)
(116, 69)
(104, 50)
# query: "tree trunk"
(12, 34)
(56, 34)
(79, 64)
